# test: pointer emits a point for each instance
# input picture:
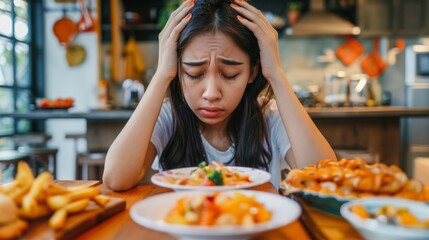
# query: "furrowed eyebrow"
(222, 60)
(229, 62)
(195, 64)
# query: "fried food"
(34, 198)
(10, 225)
(354, 178)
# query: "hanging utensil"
(75, 55)
(350, 50)
(65, 30)
(373, 64)
(86, 23)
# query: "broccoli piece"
(216, 177)
(202, 165)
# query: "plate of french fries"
(30, 198)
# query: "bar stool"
(10, 158)
(41, 156)
(89, 164)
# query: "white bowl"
(151, 212)
(372, 229)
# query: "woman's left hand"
(266, 35)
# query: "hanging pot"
(75, 55)
(65, 30)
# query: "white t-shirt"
(277, 133)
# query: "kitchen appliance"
(416, 129)
(359, 89)
(132, 93)
(335, 89)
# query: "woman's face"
(215, 73)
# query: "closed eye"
(194, 77)
(232, 77)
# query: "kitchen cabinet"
(136, 18)
(140, 18)
(393, 17)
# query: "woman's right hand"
(167, 62)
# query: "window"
(15, 65)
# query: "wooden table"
(121, 226)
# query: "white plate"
(257, 177)
(372, 229)
(151, 211)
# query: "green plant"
(294, 6)
(170, 6)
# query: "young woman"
(219, 64)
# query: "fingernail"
(191, 4)
(234, 5)
(188, 16)
(240, 17)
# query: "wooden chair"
(8, 159)
(89, 164)
(42, 156)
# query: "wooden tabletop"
(121, 226)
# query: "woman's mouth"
(211, 112)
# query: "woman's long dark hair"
(247, 126)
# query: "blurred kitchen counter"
(371, 131)
(331, 112)
(365, 112)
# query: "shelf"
(140, 27)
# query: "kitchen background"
(307, 58)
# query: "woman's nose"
(212, 91)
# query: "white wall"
(79, 82)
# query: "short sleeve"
(279, 138)
(162, 131)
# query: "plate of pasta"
(212, 177)
(215, 215)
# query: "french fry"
(18, 193)
(55, 189)
(24, 174)
(101, 200)
(77, 206)
(58, 219)
(37, 211)
(29, 202)
(60, 201)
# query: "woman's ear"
(253, 74)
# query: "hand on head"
(267, 37)
(167, 62)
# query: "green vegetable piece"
(202, 165)
(216, 177)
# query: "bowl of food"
(329, 184)
(54, 104)
(212, 177)
(215, 215)
(388, 218)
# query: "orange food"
(56, 103)
(218, 209)
(355, 178)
